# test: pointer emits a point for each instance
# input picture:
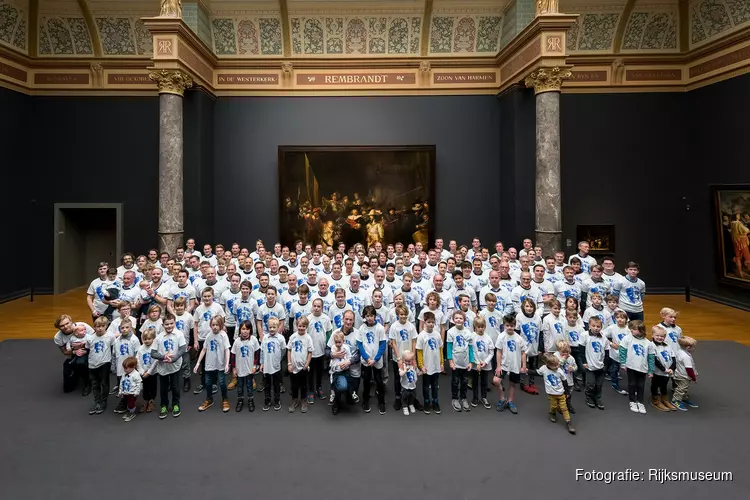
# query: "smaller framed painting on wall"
(601, 238)
(732, 220)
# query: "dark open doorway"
(85, 234)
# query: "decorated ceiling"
(357, 29)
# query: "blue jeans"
(211, 379)
(243, 382)
(340, 386)
(614, 373)
(430, 386)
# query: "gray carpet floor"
(51, 447)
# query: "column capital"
(171, 81)
(547, 79)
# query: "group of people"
(351, 315)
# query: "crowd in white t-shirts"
(401, 312)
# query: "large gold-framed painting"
(356, 194)
(732, 216)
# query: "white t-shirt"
(587, 262)
(169, 343)
(184, 323)
(203, 316)
(553, 380)
(563, 290)
(590, 286)
(494, 321)
(638, 350)
(592, 312)
(409, 378)
(288, 299)
(370, 337)
(350, 341)
(229, 300)
(336, 314)
(244, 310)
(318, 329)
(402, 335)
(188, 291)
(244, 354)
(430, 344)
(100, 349)
(385, 290)
(422, 287)
(672, 338)
(615, 334)
(529, 329)
(328, 301)
(131, 383)
(216, 345)
(512, 346)
(596, 347)
(504, 303)
(266, 312)
(393, 316)
(272, 352)
(300, 310)
(484, 350)
(479, 281)
(342, 282)
(156, 325)
(461, 340)
(546, 289)
(664, 354)
(568, 366)
(467, 291)
(631, 294)
(96, 290)
(573, 333)
(144, 358)
(552, 331)
(614, 278)
(552, 278)
(299, 346)
(684, 361)
(337, 362)
(357, 301)
(440, 318)
(125, 347)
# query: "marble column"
(172, 85)
(547, 83)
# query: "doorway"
(85, 234)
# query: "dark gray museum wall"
(249, 130)
(95, 150)
(15, 202)
(625, 162)
(198, 157)
(719, 152)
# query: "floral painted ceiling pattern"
(14, 24)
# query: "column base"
(169, 242)
(550, 242)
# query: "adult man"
(325, 295)
(546, 288)
(595, 284)
(383, 287)
(356, 298)
(440, 252)
(587, 261)
(475, 250)
(95, 294)
(524, 291)
(72, 372)
(504, 305)
(183, 288)
(130, 292)
(446, 297)
(208, 255)
(526, 247)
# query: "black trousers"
(74, 369)
(407, 396)
(459, 383)
(430, 387)
(480, 381)
(579, 355)
(636, 386)
(169, 383)
(99, 378)
(396, 380)
(202, 368)
(315, 375)
(272, 381)
(594, 381)
(149, 388)
(299, 384)
(368, 373)
(659, 385)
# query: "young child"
(460, 345)
(202, 320)
(99, 347)
(528, 324)
(484, 353)
(552, 327)
(637, 356)
(399, 299)
(596, 309)
(130, 384)
(595, 347)
(554, 377)
(168, 350)
(80, 359)
(432, 300)
(568, 365)
(684, 373)
(492, 317)
(126, 346)
(664, 365)
(271, 353)
(319, 329)
(615, 333)
(631, 290)
(299, 353)
(371, 343)
(464, 303)
(612, 308)
(511, 360)
(340, 362)
(572, 330)
(244, 349)
(184, 323)
(271, 309)
(216, 354)
(153, 320)
(408, 374)
(302, 308)
(144, 365)
(673, 332)
(430, 360)
(403, 337)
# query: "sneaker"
(304, 407)
(94, 407)
(150, 406)
(680, 405)
(198, 389)
(571, 429)
(206, 405)
(634, 407)
(571, 410)
(121, 407)
(293, 407)
(366, 407)
(101, 409)
(129, 416)
(266, 406)
(576, 386)
(607, 377)
(335, 409)
(381, 408)
(436, 408)
(412, 409)
(600, 405)
(331, 399)
(641, 408)
(406, 410)
(355, 397)
(86, 390)
(590, 403)
(186, 385)
(475, 402)
(620, 391)
(321, 394)
(486, 403)
(176, 411)
(232, 384)
(397, 404)
(512, 407)
(501, 405)
(283, 389)
(239, 405)
(251, 405)
(427, 409)
(525, 388)
(214, 389)
(114, 390)
(465, 405)
(456, 404)
(163, 413)
(225, 405)
(277, 406)
(690, 403)
(553, 417)
(534, 389)
(311, 399)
